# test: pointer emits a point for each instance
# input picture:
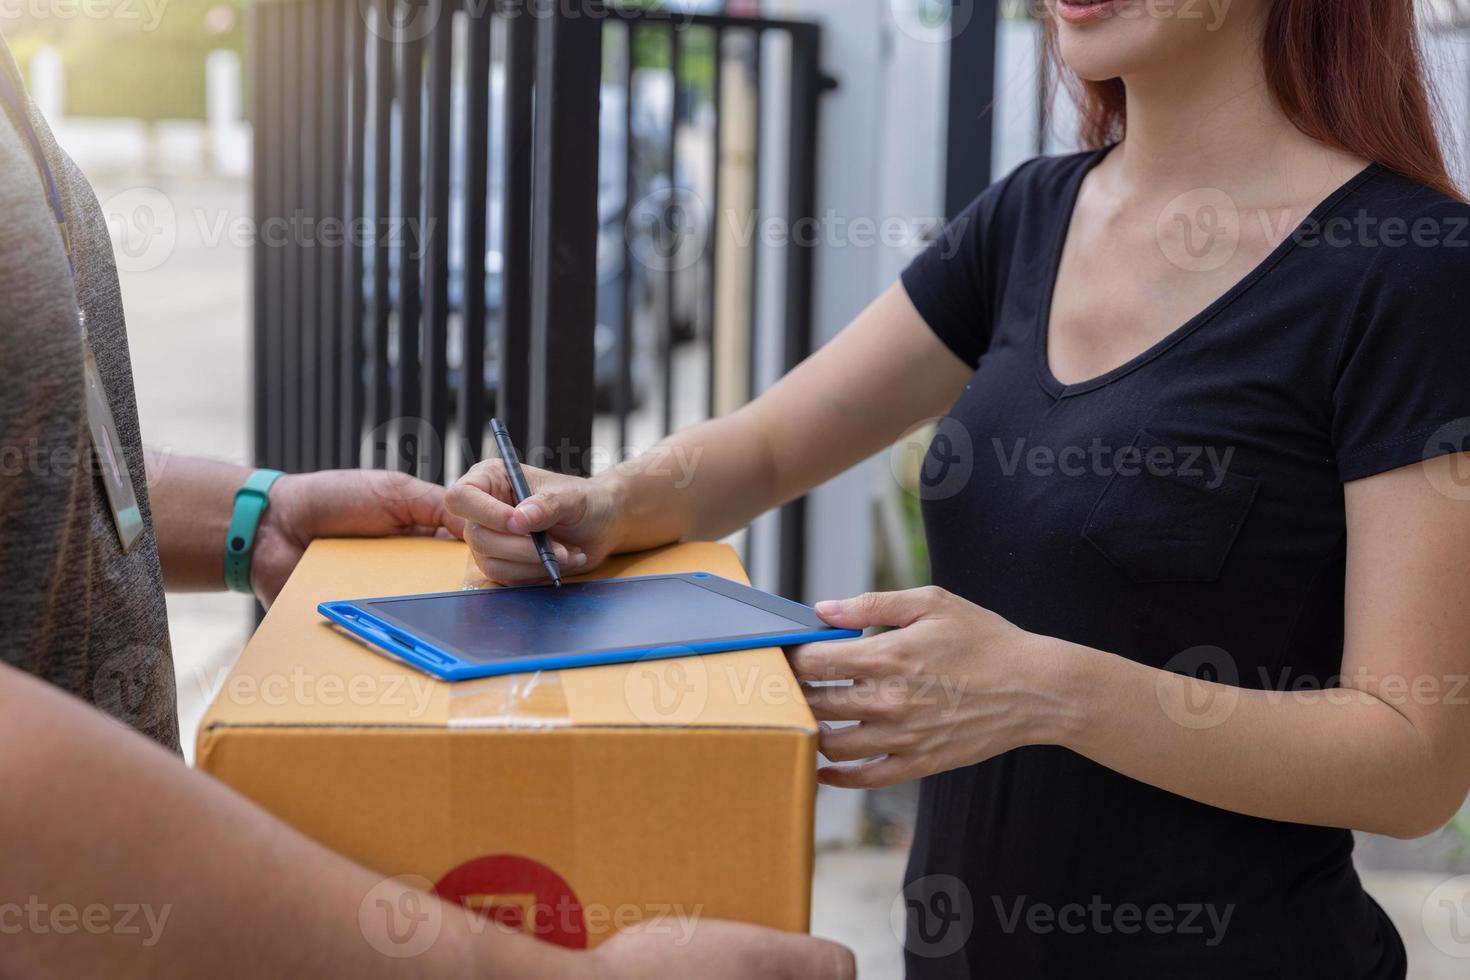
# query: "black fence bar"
(290, 203)
(354, 350)
(275, 385)
(670, 228)
(302, 231)
(757, 139)
(806, 85)
(513, 398)
(435, 411)
(627, 336)
(380, 390)
(712, 216)
(257, 43)
(409, 217)
(471, 417)
(971, 95)
(564, 241)
(326, 253)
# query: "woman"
(1205, 394)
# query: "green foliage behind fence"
(140, 59)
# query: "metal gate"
(447, 225)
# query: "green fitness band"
(251, 501)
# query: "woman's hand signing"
(577, 513)
(952, 685)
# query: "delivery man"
(116, 859)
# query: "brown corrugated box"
(568, 802)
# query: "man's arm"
(92, 814)
(95, 817)
(192, 501)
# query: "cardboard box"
(570, 803)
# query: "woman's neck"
(1213, 122)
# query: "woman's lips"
(1086, 11)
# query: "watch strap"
(251, 502)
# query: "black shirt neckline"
(1049, 381)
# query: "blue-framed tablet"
(485, 632)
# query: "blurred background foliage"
(140, 59)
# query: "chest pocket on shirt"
(1169, 514)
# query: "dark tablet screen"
(583, 617)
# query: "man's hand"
(721, 951)
(342, 504)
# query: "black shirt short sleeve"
(952, 282)
(1401, 392)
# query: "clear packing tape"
(531, 700)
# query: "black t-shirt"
(1184, 510)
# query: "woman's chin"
(1093, 61)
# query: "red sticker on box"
(519, 893)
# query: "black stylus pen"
(523, 490)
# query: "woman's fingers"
(513, 548)
(510, 572)
(838, 660)
(886, 771)
(853, 743)
(861, 701)
(470, 500)
(546, 509)
(883, 608)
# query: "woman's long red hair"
(1348, 73)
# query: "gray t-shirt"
(75, 610)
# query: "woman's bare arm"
(884, 373)
(1389, 752)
